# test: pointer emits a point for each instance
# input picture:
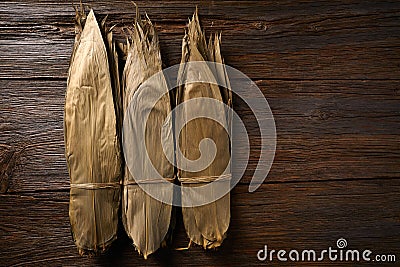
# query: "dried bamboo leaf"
(91, 138)
(205, 225)
(145, 219)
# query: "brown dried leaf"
(92, 139)
(146, 220)
(205, 225)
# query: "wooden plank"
(330, 73)
(325, 130)
(264, 40)
(35, 230)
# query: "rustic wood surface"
(330, 72)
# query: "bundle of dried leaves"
(146, 219)
(205, 225)
(95, 102)
(92, 138)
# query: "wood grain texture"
(330, 72)
(306, 216)
(304, 40)
(323, 132)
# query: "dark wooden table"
(331, 74)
